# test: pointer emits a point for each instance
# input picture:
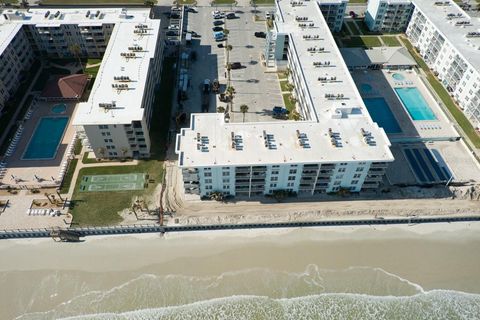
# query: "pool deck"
(25, 170)
(383, 85)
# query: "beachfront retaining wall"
(136, 229)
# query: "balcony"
(309, 173)
(379, 165)
(242, 170)
(371, 178)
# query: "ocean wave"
(157, 291)
(436, 304)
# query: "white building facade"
(333, 11)
(115, 120)
(449, 42)
(335, 146)
(388, 15)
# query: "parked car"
(218, 22)
(216, 29)
(173, 27)
(174, 15)
(172, 33)
(195, 35)
(231, 15)
(235, 65)
(268, 15)
(219, 36)
(219, 16)
(192, 9)
(260, 34)
(353, 14)
(215, 12)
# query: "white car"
(214, 13)
(192, 9)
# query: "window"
(225, 173)
(357, 175)
(354, 182)
(343, 163)
(103, 126)
(108, 140)
(208, 188)
(273, 185)
(359, 169)
(207, 169)
(207, 174)
(226, 180)
(291, 178)
(275, 172)
(290, 184)
(337, 183)
(274, 179)
(276, 166)
(208, 180)
(225, 168)
(293, 165)
(339, 176)
(341, 170)
(293, 171)
(226, 187)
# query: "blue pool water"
(415, 104)
(365, 87)
(381, 114)
(59, 108)
(398, 76)
(44, 142)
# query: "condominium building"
(449, 41)
(333, 11)
(388, 15)
(116, 117)
(335, 146)
(16, 57)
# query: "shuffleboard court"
(113, 182)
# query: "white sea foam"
(437, 304)
(280, 288)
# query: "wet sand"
(397, 261)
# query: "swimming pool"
(365, 88)
(398, 76)
(415, 104)
(46, 138)
(59, 108)
(381, 114)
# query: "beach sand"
(124, 273)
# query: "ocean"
(348, 273)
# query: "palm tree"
(230, 91)
(149, 3)
(221, 109)
(294, 115)
(76, 50)
(244, 109)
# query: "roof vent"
(335, 138)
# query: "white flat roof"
(283, 146)
(338, 132)
(469, 48)
(128, 102)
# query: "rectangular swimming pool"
(415, 104)
(381, 114)
(46, 138)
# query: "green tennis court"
(113, 182)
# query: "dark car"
(218, 22)
(231, 15)
(235, 65)
(216, 29)
(260, 34)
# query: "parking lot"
(259, 90)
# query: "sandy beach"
(55, 280)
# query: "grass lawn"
(93, 61)
(73, 2)
(223, 2)
(353, 27)
(391, 41)
(92, 71)
(100, 208)
(284, 85)
(261, 2)
(289, 104)
(78, 147)
(445, 97)
(358, 1)
(186, 2)
(362, 42)
(9, 1)
(68, 177)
